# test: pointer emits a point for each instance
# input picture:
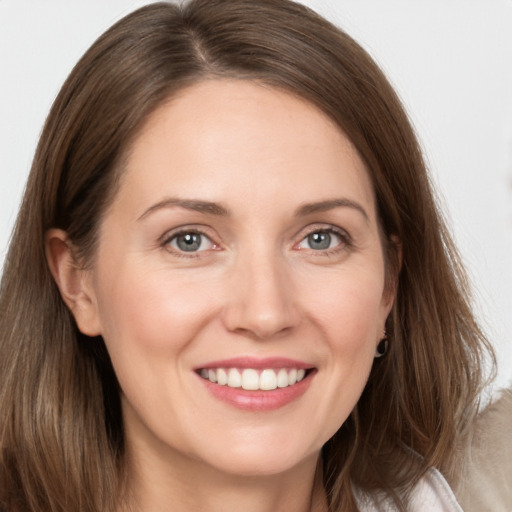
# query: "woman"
(229, 282)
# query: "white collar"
(431, 494)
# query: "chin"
(261, 466)
(260, 458)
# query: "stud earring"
(382, 347)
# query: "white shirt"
(431, 494)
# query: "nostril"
(263, 332)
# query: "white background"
(450, 60)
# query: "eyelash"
(169, 238)
(346, 241)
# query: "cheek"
(350, 315)
(350, 308)
(149, 322)
(145, 311)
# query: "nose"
(261, 303)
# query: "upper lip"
(256, 363)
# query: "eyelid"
(169, 236)
(325, 228)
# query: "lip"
(256, 363)
(258, 401)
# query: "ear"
(74, 282)
(394, 265)
(396, 261)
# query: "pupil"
(189, 242)
(319, 240)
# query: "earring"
(382, 347)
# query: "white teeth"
(234, 378)
(268, 380)
(282, 379)
(222, 377)
(252, 380)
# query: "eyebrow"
(189, 204)
(212, 208)
(330, 204)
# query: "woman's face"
(242, 247)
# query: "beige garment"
(486, 484)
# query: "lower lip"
(259, 400)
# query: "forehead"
(220, 136)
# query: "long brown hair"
(61, 432)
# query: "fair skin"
(244, 236)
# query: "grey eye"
(190, 242)
(319, 241)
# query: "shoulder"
(486, 479)
(431, 494)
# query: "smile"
(251, 379)
(256, 384)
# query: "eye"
(321, 240)
(190, 241)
